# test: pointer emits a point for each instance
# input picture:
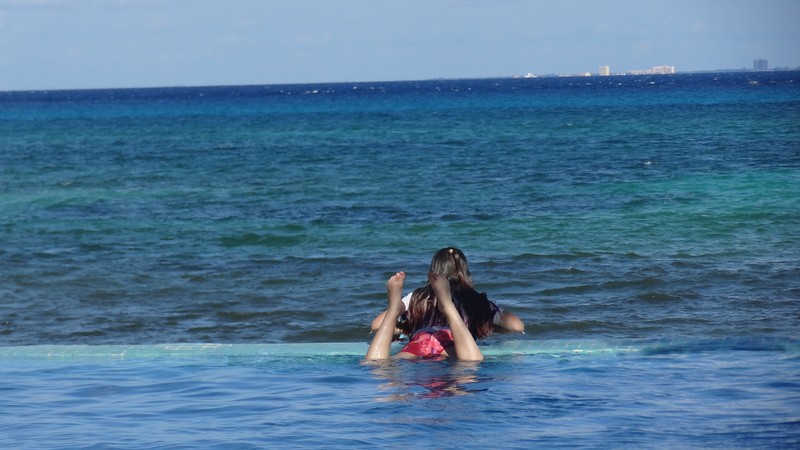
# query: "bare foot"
(394, 287)
(381, 343)
(441, 286)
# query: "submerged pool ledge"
(503, 348)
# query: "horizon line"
(497, 77)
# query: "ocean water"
(653, 209)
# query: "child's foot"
(394, 287)
(441, 286)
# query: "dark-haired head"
(452, 263)
(476, 310)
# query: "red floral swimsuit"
(429, 343)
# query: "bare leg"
(376, 323)
(466, 349)
(382, 341)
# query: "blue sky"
(50, 44)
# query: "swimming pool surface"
(726, 393)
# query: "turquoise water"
(663, 208)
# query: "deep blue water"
(644, 208)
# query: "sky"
(79, 44)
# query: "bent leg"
(465, 347)
(381, 344)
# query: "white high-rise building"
(604, 71)
(664, 70)
(657, 70)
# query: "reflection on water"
(410, 379)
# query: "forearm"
(376, 322)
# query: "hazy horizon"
(96, 44)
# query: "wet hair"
(452, 263)
(475, 308)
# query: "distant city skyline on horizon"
(84, 44)
(498, 77)
(759, 64)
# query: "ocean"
(662, 212)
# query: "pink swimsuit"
(429, 344)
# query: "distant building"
(657, 70)
(664, 70)
(604, 71)
(760, 64)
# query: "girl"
(436, 324)
(454, 339)
(452, 263)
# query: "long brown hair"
(475, 308)
(452, 263)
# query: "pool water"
(691, 395)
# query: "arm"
(510, 323)
(376, 322)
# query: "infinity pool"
(741, 393)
